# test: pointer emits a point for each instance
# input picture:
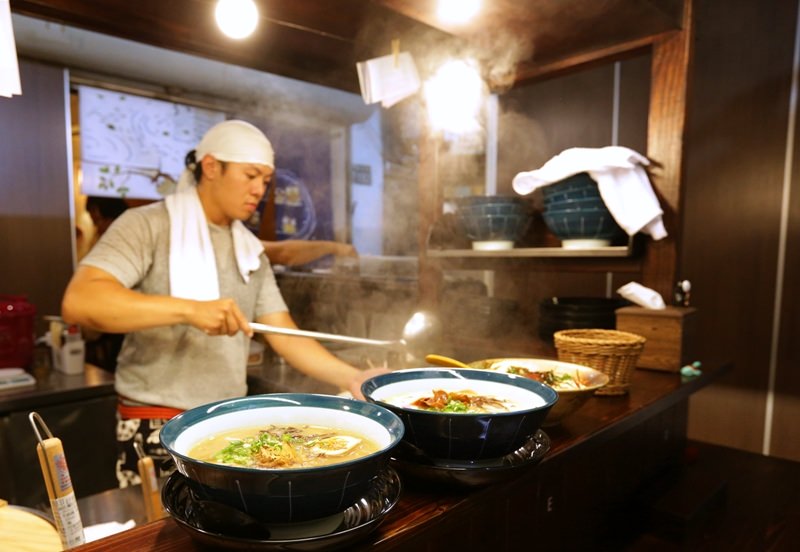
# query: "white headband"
(238, 142)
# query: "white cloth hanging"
(192, 264)
(621, 180)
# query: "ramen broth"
(283, 447)
(464, 401)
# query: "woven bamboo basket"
(612, 352)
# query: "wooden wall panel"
(634, 102)
(539, 121)
(735, 157)
(35, 224)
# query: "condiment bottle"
(59, 485)
(72, 351)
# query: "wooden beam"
(548, 69)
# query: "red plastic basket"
(16, 331)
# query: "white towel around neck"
(621, 180)
(192, 264)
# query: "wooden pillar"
(430, 207)
(671, 72)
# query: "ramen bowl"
(283, 494)
(573, 383)
(462, 436)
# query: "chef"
(183, 278)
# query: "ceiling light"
(454, 95)
(237, 18)
(457, 12)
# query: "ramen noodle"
(300, 446)
(558, 380)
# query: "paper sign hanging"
(388, 79)
(9, 68)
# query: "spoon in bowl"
(441, 360)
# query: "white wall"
(366, 148)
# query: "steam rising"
(500, 53)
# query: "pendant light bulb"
(457, 12)
(236, 18)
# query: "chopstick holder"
(59, 485)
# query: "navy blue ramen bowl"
(463, 436)
(283, 494)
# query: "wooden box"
(670, 333)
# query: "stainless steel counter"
(53, 387)
(118, 505)
(78, 409)
(275, 375)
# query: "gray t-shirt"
(180, 366)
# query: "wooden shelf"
(523, 252)
(620, 258)
(542, 264)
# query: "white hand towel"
(621, 179)
(192, 264)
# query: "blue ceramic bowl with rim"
(577, 186)
(283, 495)
(495, 227)
(493, 218)
(586, 224)
(576, 204)
(492, 204)
(462, 436)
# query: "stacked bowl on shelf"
(493, 222)
(577, 215)
(565, 313)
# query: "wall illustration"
(134, 147)
(295, 216)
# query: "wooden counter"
(601, 457)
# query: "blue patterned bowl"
(459, 436)
(493, 218)
(577, 186)
(595, 224)
(576, 204)
(283, 495)
(576, 214)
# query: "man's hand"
(361, 377)
(344, 250)
(219, 317)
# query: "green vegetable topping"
(455, 406)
